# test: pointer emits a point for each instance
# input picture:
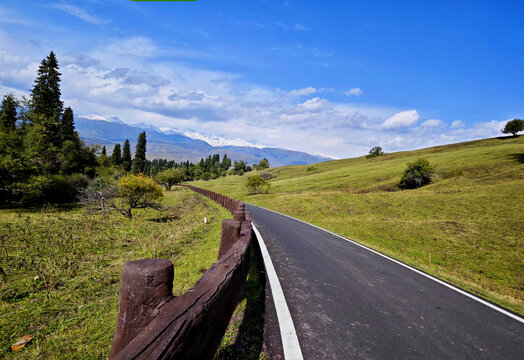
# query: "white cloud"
(303, 92)
(457, 124)
(141, 86)
(431, 123)
(81, 14)
(300, 27)
(401, 119)
(354, 91)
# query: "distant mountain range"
(173, 144)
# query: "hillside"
(466, 227)
(177, 146)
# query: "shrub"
(257, 185)
(138, 192)
(375, 151)
(417, 174)
(311, 168)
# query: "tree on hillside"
(170, 177)
(226, 163)
(130, 192)
(263, 164)
(116, 155)
(46, 98)
(67, 126)
(140, 154)
(514, 127)
(375, 151)
(8, 115)
(126, 156)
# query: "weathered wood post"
(145, 285)
(240, 212)
(230, 234)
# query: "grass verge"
(62, 269)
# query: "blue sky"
(333, 78)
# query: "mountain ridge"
(175, 145)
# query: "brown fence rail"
(153, 324)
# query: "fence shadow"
(250, 336)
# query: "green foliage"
(67, 126)
(263, 164)
(46, 98)
(138, 192)
(417, 174)
(514, 127)
(375, 151)
(116, 155)
(139, 162)
(126, 156)
(78, 158)
(8, 114)
(170, 177)
(239, 168)
(258, 185)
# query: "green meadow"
(466, 227)
(61, 269)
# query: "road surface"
(347, 302)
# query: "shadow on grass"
(165, 219)
(250, 333)
(518, 157)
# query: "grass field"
(466, 227)
(62, 269)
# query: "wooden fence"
(153, 324)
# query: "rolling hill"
(466, 227)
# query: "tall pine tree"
(67, 126)
(46, 102)
(126, 156)
(116, 155)
(8, 114)
(139, 162)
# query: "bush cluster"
(417, 174)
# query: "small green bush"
(257, 185)
(375, 151)
(417, 174)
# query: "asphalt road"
(349, 303)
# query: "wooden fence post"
(145, 285)
(230, 234)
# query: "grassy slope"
(466, 227)
(81, 257)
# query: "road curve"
(350, 303)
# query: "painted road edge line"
(452, 287)
(288, 334)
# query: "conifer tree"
(8, 114)
(126, 156)
(116, 156)
(67, 126)
(139, 161)
(104, 152)
(46, 98)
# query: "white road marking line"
(465, 293)
(287, 328)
